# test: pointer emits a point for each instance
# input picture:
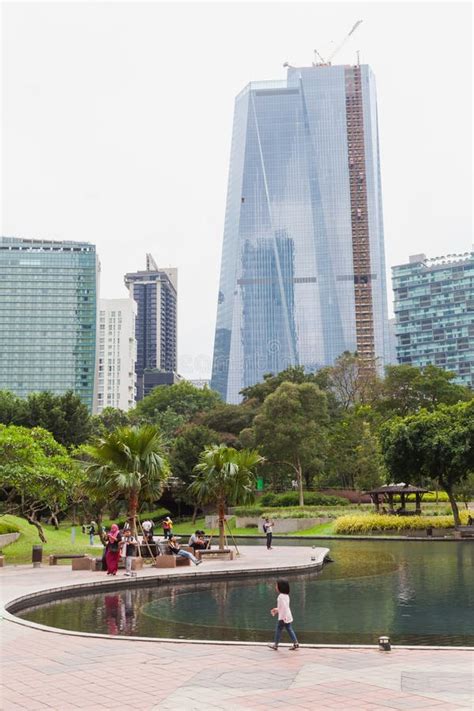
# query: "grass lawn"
(58, 541)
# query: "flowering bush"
(368, 523)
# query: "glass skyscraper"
(303, 265)
(48, 303)
(434, 312)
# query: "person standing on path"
(268, 529)
(285, 618)
(167, 528)
(112, 550)
(129, 548)
(91, 531)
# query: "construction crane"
(327, 63)
(359, 22)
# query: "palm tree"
(128, 462)
(225, 476)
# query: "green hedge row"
(284, 512)
(311, 498)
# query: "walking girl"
(285, 618)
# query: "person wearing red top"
(112, 550)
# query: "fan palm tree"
(130, 463)
(225, 476)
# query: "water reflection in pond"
(417, 592)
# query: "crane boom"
(359, 22)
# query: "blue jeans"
(91, 539)
(187, 554)
(279, 630)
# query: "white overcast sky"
(117, 119)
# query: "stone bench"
(53, 559)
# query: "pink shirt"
(283, 605)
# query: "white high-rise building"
(117, 354)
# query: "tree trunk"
(31, 518)
(299, 475)
(454, 506)
(221, 514)
(132, 512)
(194, 514)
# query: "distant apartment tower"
(48, 305)
(117, 354)
(434, 311)
(155, 293)
(303, 264)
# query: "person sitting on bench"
(173, 545)
(197, 542)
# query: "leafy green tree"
(184, 456)
(183, 399)
(36, 474)
(294, 374)
(465, 490)
(65, 416)
(109, 419)
(225, 476)
(437, 444)
(12, 408)
(353, 458)
(231, 419)
(369, 467)
(407, 389)
(290, 429)
(128, 463)
(353, 380)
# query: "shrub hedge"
(368, 523)
(291, 498)
(8, 528)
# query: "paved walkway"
(44, 670)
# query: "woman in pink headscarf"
(112, 551)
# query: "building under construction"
(303, 264)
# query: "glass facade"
(48, 303)
(434, 312)
(303, 265)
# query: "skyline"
(97, 156)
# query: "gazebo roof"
(398, 489)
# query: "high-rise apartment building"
(117, 354)
(303, 265)
(155, 292)
(48, 303)
(434, 312)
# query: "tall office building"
(155, 292)
(48, 302)
(303, 265)
(434, 312)
(117, 354)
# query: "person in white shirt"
(285, 618)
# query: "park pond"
(419, 593)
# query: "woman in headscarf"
(112, 551)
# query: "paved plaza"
(46, 670)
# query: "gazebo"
(388, 491)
